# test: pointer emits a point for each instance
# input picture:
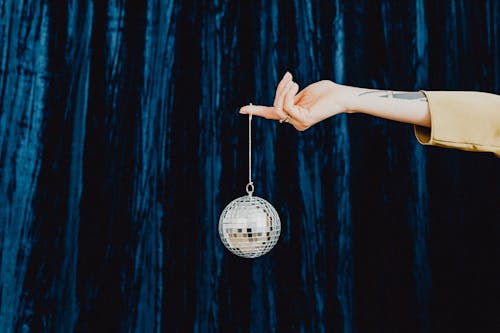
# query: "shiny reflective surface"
(249, 226)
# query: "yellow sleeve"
(464, 120)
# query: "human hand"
(313, 104)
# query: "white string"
(250, 187)
(250, 145)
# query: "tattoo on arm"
(411, 95)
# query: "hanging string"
(250, 187)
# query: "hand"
(313, 104)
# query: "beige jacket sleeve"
(464, 120)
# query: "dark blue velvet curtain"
(120, 144)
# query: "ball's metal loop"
(249, 226)
(250, 188)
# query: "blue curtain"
(121, 143)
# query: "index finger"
(267, 112)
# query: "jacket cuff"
(462, 120)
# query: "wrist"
(346, 98)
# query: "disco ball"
(249, 226)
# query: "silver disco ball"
(249, 226)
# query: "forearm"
(408, 107)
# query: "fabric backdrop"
(120, 144)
